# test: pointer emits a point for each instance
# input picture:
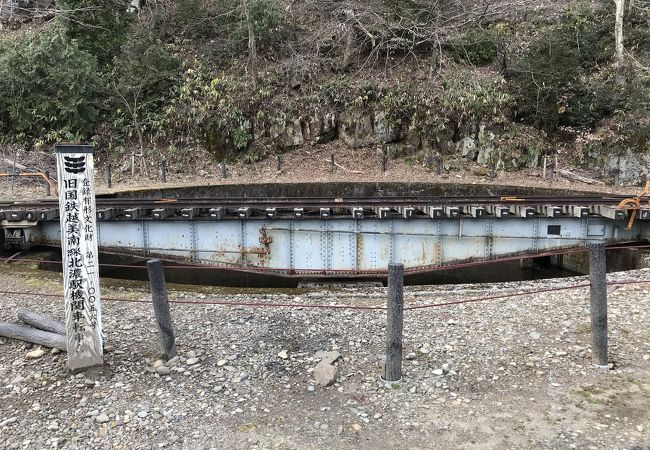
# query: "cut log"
(28, 334)
(576, 177)
(10, 162)
(41, 321)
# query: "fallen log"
(28, 334)
(575, 177)
(41, 321)
(10, 162)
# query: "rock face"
(362, 128)
(355, 129)
(467, 148)
(632, 168)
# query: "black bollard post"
(438, 161)
(598, 291)
(109, 176)
(493, 170)
(384, 162)
(428, 162)
(224, 170)
(163, 171)
(332, 163)
(279, 163)
(48, 188)
(395, 320)
(161, 307)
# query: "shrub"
(99, 26)
(549, 73)
(49, 87)
(479, 46)
(144, 78)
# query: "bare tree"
(618, 33)
(252, 44)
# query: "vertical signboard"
(79, 251)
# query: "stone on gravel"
(35, 354)
(283, 354)
(327, 357)
(102, 418)
(325, 374)
(163, 370)
(192, 361)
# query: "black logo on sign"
(74, 165)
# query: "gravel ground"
(512, 373)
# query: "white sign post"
(77, 213)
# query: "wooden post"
(109, 176)
(332, 163)
(163, 171)
(544, 159)
(598, 291)
(395, 319)
(161, 307)
(384, 163)
(82, 303)
(224, 170)
(13, 176)
(48, 190)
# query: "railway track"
(325, 207)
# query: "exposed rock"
(467, 148)
(320, 129)
(632, 167)
(383, 130)
(355, 129)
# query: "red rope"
(353, 307)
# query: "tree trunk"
(347, 52)
(619, 57)
(252, 45)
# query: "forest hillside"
(499, 82)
